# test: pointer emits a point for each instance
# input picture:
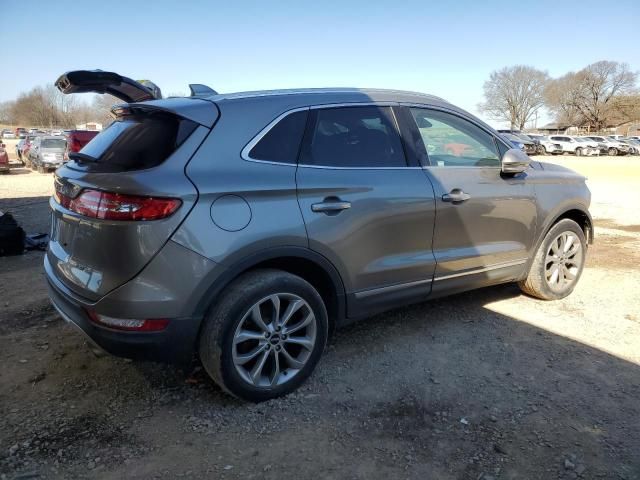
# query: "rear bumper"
(176, 344)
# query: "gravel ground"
(486, 385)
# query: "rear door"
(485, 222)
(364, 207)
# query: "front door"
(485, 221)
(364, 209)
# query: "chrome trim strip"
(390, 288)
(481, 270)
(357, 168)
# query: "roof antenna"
(199, 90)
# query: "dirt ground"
(486, 385)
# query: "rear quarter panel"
(258, 200)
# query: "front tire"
(265, 336)
(578, 152)
(612, 151)
(558, 263)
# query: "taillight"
(117, 206)
(128, 324)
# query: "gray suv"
(245, 227)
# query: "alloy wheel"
(274, 340)
(563, 261)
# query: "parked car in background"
(593, 147)
(530, 145)
(19, 147)
(610, 146)
(158, 252)
(22, 149)
(20, 131)
(56, 132)
(634, 145)
(77, 139)
(616, 137)
(6, 133)
(570, 144)
(545, 145)
(47, 153)
(516, 142)
(4, 159)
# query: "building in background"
(90, 126)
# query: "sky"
(442, 48)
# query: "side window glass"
(353, 137)
(282, 142)
(452, 141)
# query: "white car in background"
(570, 144)
(546, 147)
(611, 147)
(592, 144)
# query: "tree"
(594, 96)
(514, 94)
(6, 112)
(599, 84)
(560, 97)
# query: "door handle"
(456, 196)
(330, 206)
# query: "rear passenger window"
(353, 137)
(282, 142)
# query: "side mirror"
(515, 161)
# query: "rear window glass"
(282, 142)
(53, 143)
(137, 142)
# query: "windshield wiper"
(82, 157)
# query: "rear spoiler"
(199, 110)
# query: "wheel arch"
(577, 213)
(300, 261)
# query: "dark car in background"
(531, 145)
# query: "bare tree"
(599, 84)
(592, 96)
(514, 94)
(6, 113)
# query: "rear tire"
(247, 343)
(558, 262)
(578, 152)
(612, 151)
(543, 150)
